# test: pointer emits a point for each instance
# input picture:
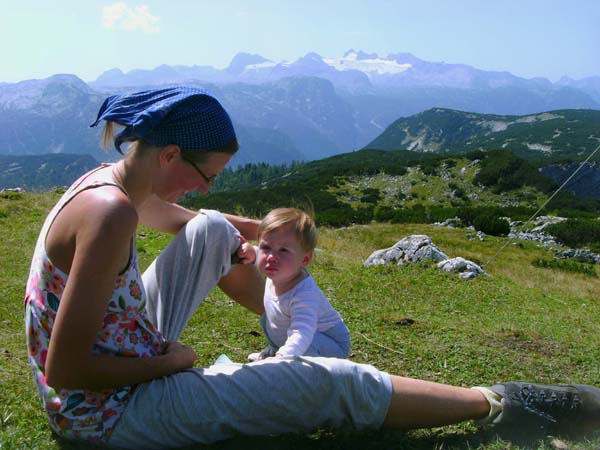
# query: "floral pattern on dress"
(126, 331)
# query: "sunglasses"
(199, 170)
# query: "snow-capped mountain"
(355, 71)
(370, 64)
(306, 109)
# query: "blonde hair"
(303, 225)
(108, 139)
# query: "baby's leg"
(333, 343)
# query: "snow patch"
(379, 66)
(259, 66)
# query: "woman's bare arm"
(106, 227)
(247, 227)
(170, 217)
(164, 216)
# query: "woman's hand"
(182, 356)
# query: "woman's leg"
(424, 404)
(274, 396)
(182, 275)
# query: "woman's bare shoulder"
(107, 207)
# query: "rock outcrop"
(410, 249)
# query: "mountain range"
(547, 139)
(355, 71)
(308, 109)
(561, 134)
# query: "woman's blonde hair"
(303, 225)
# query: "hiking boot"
(558, 408)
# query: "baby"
(298, 318)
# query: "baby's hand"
(245, 252)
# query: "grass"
(521, 322)
(435, 189)
(567, 265)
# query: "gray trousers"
(273, 396)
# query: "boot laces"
(548, 404)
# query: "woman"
(102, 338)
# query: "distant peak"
(404, 58)
(312, 56)
(565, 79)
(68, 79)
(242, 60)
(359, 55)
(115, 71)
(364, 55)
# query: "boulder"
(417, 247)
(452, 222)
(580, 254)
(467, 269)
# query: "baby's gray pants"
(277, 395)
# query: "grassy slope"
(521, 323)
(420, 188)
(571, 133)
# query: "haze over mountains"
(356, 72)
(308, 109)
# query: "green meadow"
(523, 321)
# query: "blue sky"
(528, 38)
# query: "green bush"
(430, 167)
(565, 264)
(489, 224)
(370, 195)
(11, 195)
(577, 233)
(502, 170)
(568, 204)
(343, 216)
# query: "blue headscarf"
(183, 115)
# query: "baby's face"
(280, 255)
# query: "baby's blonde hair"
(303, 225)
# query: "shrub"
(489, 224)
(577, 232)
(566, 265)
(502, 170)
(430, 167)
(11, 195)
(370, 195)
(449, 163)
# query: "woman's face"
(184, 174)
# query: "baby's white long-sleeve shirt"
(294, 317)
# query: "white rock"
(410, 249)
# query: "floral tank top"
(80, 413)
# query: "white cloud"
(120, 16)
